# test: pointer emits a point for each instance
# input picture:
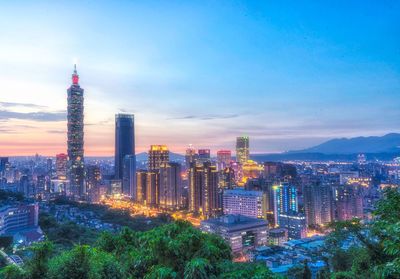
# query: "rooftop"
(235, 221)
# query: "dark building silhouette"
(124, 141)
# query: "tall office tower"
(242, 149)
(141, 185)
(170, 185)
(153, 188)
(93, 177)
(158, 154)
(129, 177)
(195, 187)
(204, 155)
(349, 202)
(203, 189)
(61, 165)
(224, 158)
(190, 156)
(211, 201)
(285, 201)
(317, 203)
(226, 178)
(247, 203)
(76, 169)
(124, 141)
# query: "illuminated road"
(137, 209)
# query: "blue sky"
(290, 74)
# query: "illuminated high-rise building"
(242, 149)
(158, 154)
(203, 189)
(190, 156)
(204, 155)
(153, 188)
(124, 142)
(76, 168)
(349, 202)
(224, 158)
(247, 203)
(212, 204)
(317, 203)
(141, 185)
(195, 187)
(170, 185)
(226, 178)
(61, 165)
(129, 177)
(285, 201)
(93, 177)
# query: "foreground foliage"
(377, 250)
(176, 250)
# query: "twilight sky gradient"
(288, 74)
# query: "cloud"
(35, 116)
(10, 104)
(102, 122)
(206, 117)
(56, 131)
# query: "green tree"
(378, 252)
(85, 262)
(198, 268)
(6, 242)
(231, 270)
(161, 272)
(12, 272)
(37, 266)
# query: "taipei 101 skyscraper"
(76, 168)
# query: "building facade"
(246, 203)
(224, 158)
(240, 232)
(242, 149)
(170, 185)
(203, 189)
(125, 158)
(17, 217)
(158, 154)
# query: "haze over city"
(201, 73)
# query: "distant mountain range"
(386, 147)
(389, 143)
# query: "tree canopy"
(376, 253)
(176, 250)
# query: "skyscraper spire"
(75, 76)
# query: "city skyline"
(278, 78)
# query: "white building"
(247, 203)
